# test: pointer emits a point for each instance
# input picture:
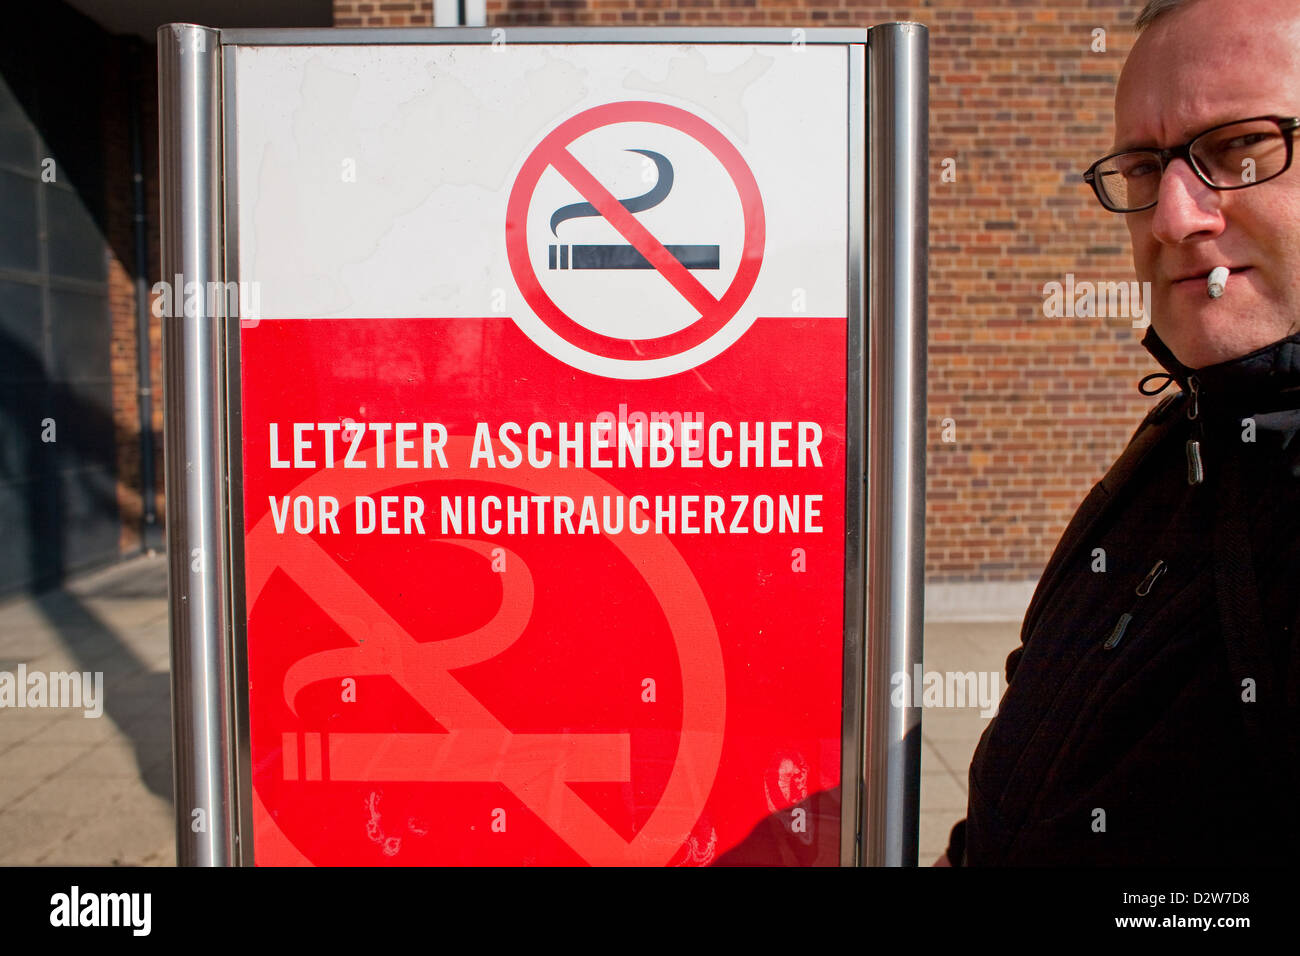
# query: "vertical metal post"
(189, 99)
(898, 184)
(852, 716)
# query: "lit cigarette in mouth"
(1217, 281)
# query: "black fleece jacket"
(1152, 709)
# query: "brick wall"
(121, 300)
(1035, 408)
(131, 76)
(372, 13)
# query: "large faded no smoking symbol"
(478, 747)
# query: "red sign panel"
(565, 588)
(501, 611)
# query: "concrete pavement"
(98, 791)
(949, 735)
(83, 790)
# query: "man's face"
(1213, 62)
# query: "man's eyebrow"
(1187, 135)
(1131, 143)
(1143, 142)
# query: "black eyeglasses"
(1230, 156)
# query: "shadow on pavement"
(136, 698)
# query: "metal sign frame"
(886, 416)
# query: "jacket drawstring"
(1142, 385)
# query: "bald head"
(1155, 8)
(1197, 65)
(1201, 50)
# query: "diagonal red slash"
(678, 276)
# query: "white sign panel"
(633, 208)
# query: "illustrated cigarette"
(627, 257)
(1217, 281)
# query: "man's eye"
(1137, 170)
(1244, 141)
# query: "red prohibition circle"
(553, 151)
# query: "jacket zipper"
(1195, 476)
(1117, 632)
(1195, 465)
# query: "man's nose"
(1186, 206)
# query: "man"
(1152, 709)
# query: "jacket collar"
(1269, 376)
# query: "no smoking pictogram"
(714, 312)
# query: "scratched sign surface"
(543, 452)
